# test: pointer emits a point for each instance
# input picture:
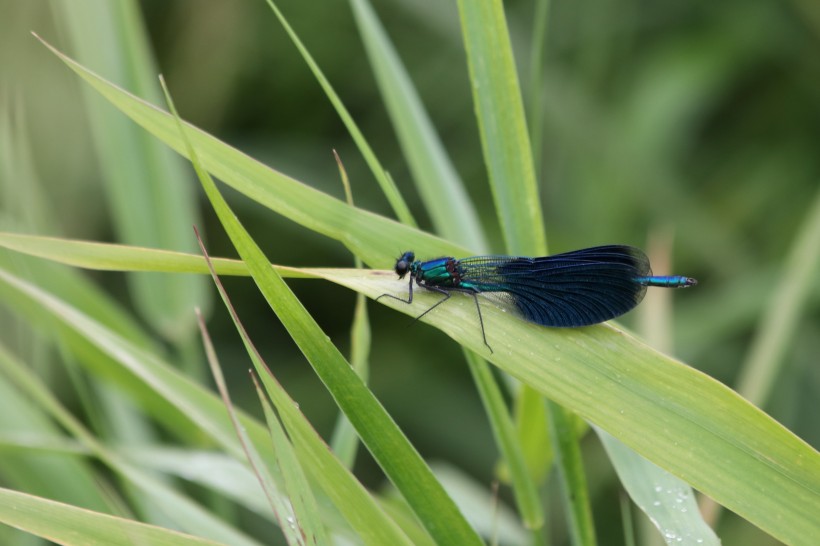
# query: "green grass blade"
(536, 87)
(439, 185)
(66, 524)
(532, 426)
(112, 257)
(699, 430)
(452, 214)
(668, 501)
(174, 506)
(373, 524)
(395, 454)
(525, 490)
(503, 126)
(345, 441)
(573, 479)
(504, 138)
(283, 509)
(385, 182)
(310, 529)
(203, 408)
(151, 200)
(371, 237)
(391, 449)
(779, 323)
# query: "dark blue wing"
(565, 290)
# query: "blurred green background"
(690, 127)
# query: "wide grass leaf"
(65, 524)
(391, 449)
(680, 419)
(503, 126)
(675, 416)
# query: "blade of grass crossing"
(503, 126)
(345, 441)
(668, 501)
(441, 189)
(370, 236)
(177, 507)
(391, 449)
(508, 155)
(348, 495)
(284, 511)
(526, 494)
(151, 200)
(536, 123)
(573, 479)
(385, 182)
(67, 524)
(338, 483)
(532, 426)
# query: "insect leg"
(480, 319)
(439, 302)
(408, 300)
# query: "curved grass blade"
(203, 408)
(395, 454)
(373, 238)
(572, 476)
(586, 374)
(700, 430)
(67, 524)
(174, 506)
(345, 442)
(289, 517)
(385, 181)
(666, 500)
(151, 199)
(508, 156)
(439, 185)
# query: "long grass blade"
(67, 524)
(526, 493)
(503, 126)
(385, 181)
(150, 197)
(391, 449)
(668, 501)
(441, 189)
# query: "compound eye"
(401, 268)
